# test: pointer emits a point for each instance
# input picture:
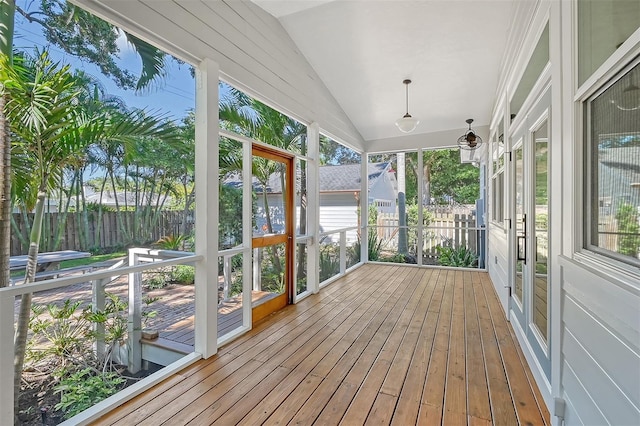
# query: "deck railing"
(140, 261)
(338, 254)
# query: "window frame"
(596, 254)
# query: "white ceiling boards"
(363, 50)
(341, 63)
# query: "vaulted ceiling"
(363, 50)
(357, 54)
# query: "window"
(602, 27)
(497, 176)
(613, 168)
(539, 59)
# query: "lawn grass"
(89, 260)
(80, 262)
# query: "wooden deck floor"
(384, 345)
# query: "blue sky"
(174, 95)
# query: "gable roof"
(340, 178)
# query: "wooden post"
(456, 232)
(227, 277)
(6, 357)
(134, 323)
(97, 304)
(343, 252)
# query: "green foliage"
(329, 261)
(156, 280)
(373, 215)
(460, 257)
(171, 242)
(84, 389)
(62, 332)
(450, 180)
(183, 274)
(444, 178)
(229, 225)
(396, 258)
(629, 230)
(333, 153)
(88, 37)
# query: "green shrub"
(156, 280)
(84, 389)
(395, 258)
(171, 242)
(183, 274)
(629, 240)
(461, 257)
(329, 261)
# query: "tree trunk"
(5, 196)
(20, 340)
(7, 16)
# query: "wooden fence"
(450, 226)
(76, 235)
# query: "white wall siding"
(600, 348)
(338, 210)
(253, 50)
(498, 264)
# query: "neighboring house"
(121, 199)
(619, 173)
(339, 196)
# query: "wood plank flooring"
(229, 318)
(383, 345)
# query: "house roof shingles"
(340, 178)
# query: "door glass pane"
(301, 267)
(269, 272)
(230, 197)
(541, 240)
(519, 220)
(269, 188)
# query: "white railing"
(334, 265)
(139, 262)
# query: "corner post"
(364, 208)
(313, 213)
(206, 244)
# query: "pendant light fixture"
(407, 123)
(629, 99)
(470, 140)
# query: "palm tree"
(51, 128)
(69, 27)
(46, 127)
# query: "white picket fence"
(451, 226)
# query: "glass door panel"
(520, 224)
(531, 171)
(230, 230)
(541, 230)
(273, 208)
